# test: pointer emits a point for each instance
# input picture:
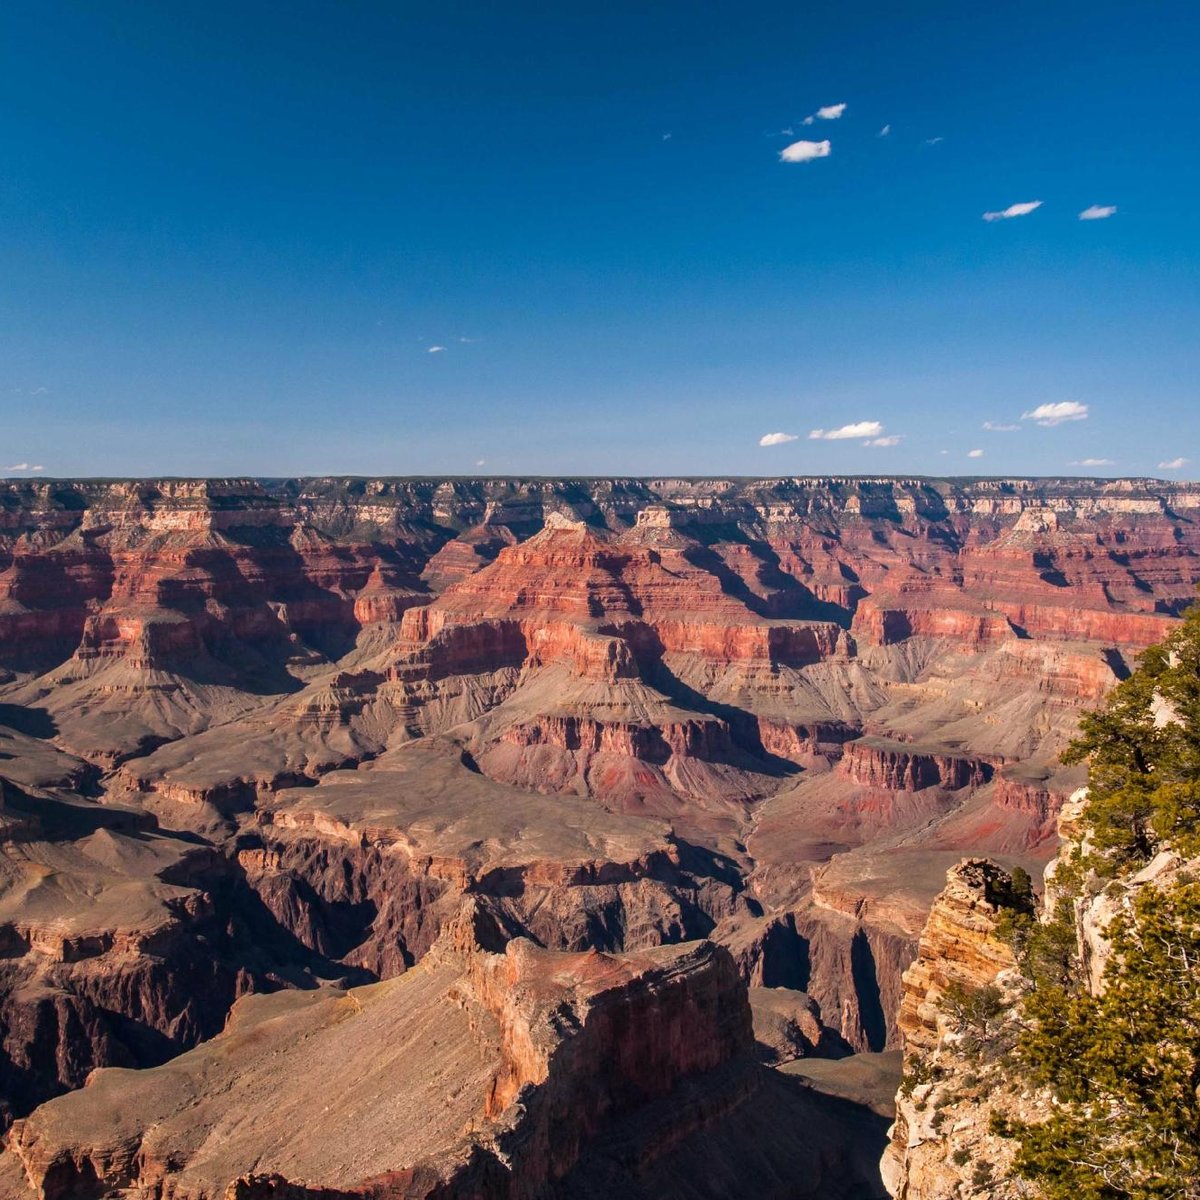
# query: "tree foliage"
(1123, 1065)
(978, 1016)
(1143, 752)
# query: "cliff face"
(941, 1145)
(961, 1072)
(285, 728)
(959, 945)
(153, 570)
(479, 1074)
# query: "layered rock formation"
(958, 993)
(285, 729)
(478, 1074)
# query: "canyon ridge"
(521, 837)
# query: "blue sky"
(231, 236)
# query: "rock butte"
(519, 1073)
(421, 762)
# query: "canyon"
(501, 837)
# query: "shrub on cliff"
(978, 1015)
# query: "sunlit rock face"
(487, 1072)
(287, 729)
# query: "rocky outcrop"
(504, 1073)
(959, 945)
(787, 1026)
(941, 1143)
(964, 1010)
(896, 767)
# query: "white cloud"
(666, 137)
(25, 467)
(974, 453)
(996, 427)
(859, 429)
(1055, 414)
(776, 439)
(884, 131)
(436, 349)
(804, 151)
(1097, 212)
(1013, 210)
(892, 439)
(934, 141)
(479, 462)
(830, 112)
(1091, 462)
(808, 120)
(1174, 464)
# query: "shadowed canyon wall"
(272, 735)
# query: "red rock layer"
(874, 763)
(158, 570)
(674, 646)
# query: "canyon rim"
(562, 836)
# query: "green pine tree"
(1124, 1066)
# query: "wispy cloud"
(1174, 464)
(997, 427)
(435, 349)
(25, 467)
(666, 137)
(1091, 462)
(479, 462)
(827, 112)
(777, 439)
(892, 439)
(803, 151)
(1013, 210)
(1097, 212)
(884, 131)
(974, 453)
(933, 141)
(858, 429)
(1056, 414)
